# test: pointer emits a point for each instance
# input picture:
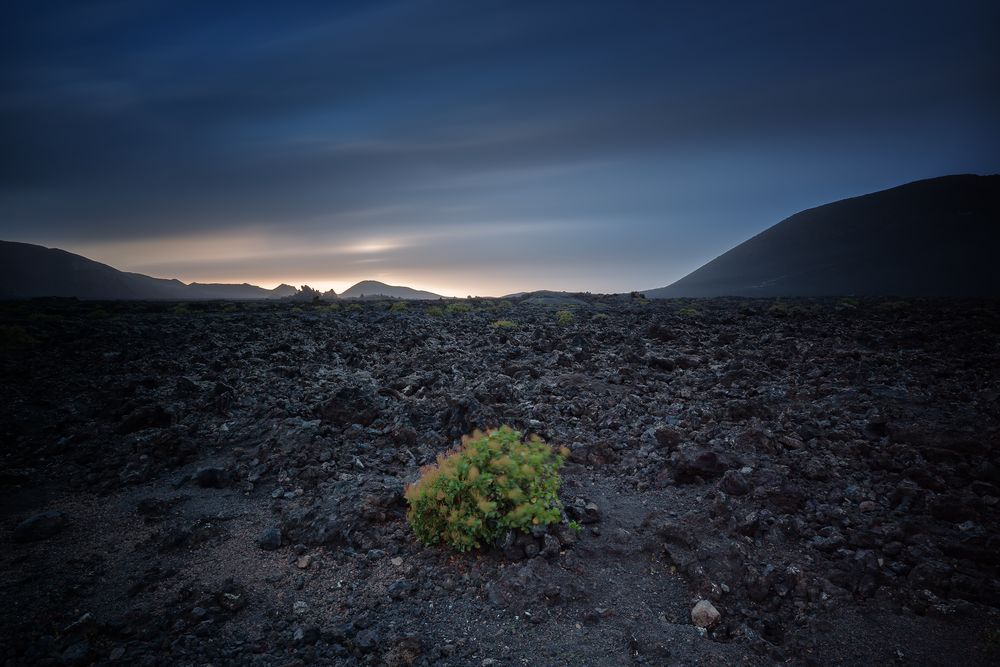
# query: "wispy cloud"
(406, 134)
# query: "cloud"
(691, 126)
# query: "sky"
(472, 147)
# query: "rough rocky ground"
(222, 483)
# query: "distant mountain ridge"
(935, 237)
(28, 271)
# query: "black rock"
(367, 640)
(734, 483)
(212, 478)
(698, 467)
(350, 405)
(40, 526)
(668, 437)
(314, 526)
(400, 589)
(76, 654)
(269, 539)
(148, 416)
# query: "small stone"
(270, 539)
(867, 506)
(704, 614)
(300, 607)
(303, 562)
(397, 561)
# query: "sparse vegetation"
(778, 309)
(600, 317)
(504, 324)
(398, 306)
(459, 307)
(13, 337)
(689, 311)
(493, 483)
(564, 317)
(435, 311)
(352, 306)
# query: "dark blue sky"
(472, 147)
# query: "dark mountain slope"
(28, 270)
(937, 237)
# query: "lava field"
(816, 479)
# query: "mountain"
(28, 270)
(373, 288)
(936, 237)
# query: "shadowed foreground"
(223, 483)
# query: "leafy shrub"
(504, 324)
(353, 306)
(689, 311)
(459, 308)
(599, 317)
(398, 306)
(333, 307)
(564, 317)
(435, 311)
(491, 484)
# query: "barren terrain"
(222, 483)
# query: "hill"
(28, 271)
(374, 289)
(936, 237)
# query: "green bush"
(600, 317)
(435, 311)
(459, 308)
(504, 324)
(564, 317)
(398, 306)
(491, 484)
